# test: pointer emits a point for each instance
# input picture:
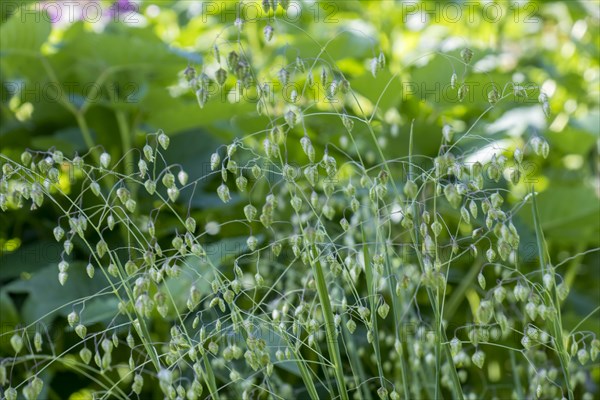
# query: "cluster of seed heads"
(320, 200)
(308, 224)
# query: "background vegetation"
(87, 85)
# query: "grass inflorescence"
(343, 278)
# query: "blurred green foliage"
(71, 86)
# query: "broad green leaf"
(24, 33)
(102, 309)
(201, 273)
(375, 89)
(574, 139)
(9, 8)
(179, 116)
(569, 214)
(67, 140)
(46, 298)
(138, 55)
(21, 39)
(29, 259)
(9, 320)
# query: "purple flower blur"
(63, 12)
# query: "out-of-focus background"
(86, 73)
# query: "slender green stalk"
(552, 297)
(396, 312)
(143, 329)
(306, 378)
(433, 297)
(458, 293)
(78, 367)
(355, 361)
(373, 305)
(516, 378)
(330, 329)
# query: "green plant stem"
(438, 306)
(517, 379)
(574, 265)
(433, 297)
(373, 306)
(144, 334)
(209, 378)
(85, 131)
(458, 294)
(125, 134)
(330, 329)
(78, 114)
(396, 312)
(552, 297)
(355, 362)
